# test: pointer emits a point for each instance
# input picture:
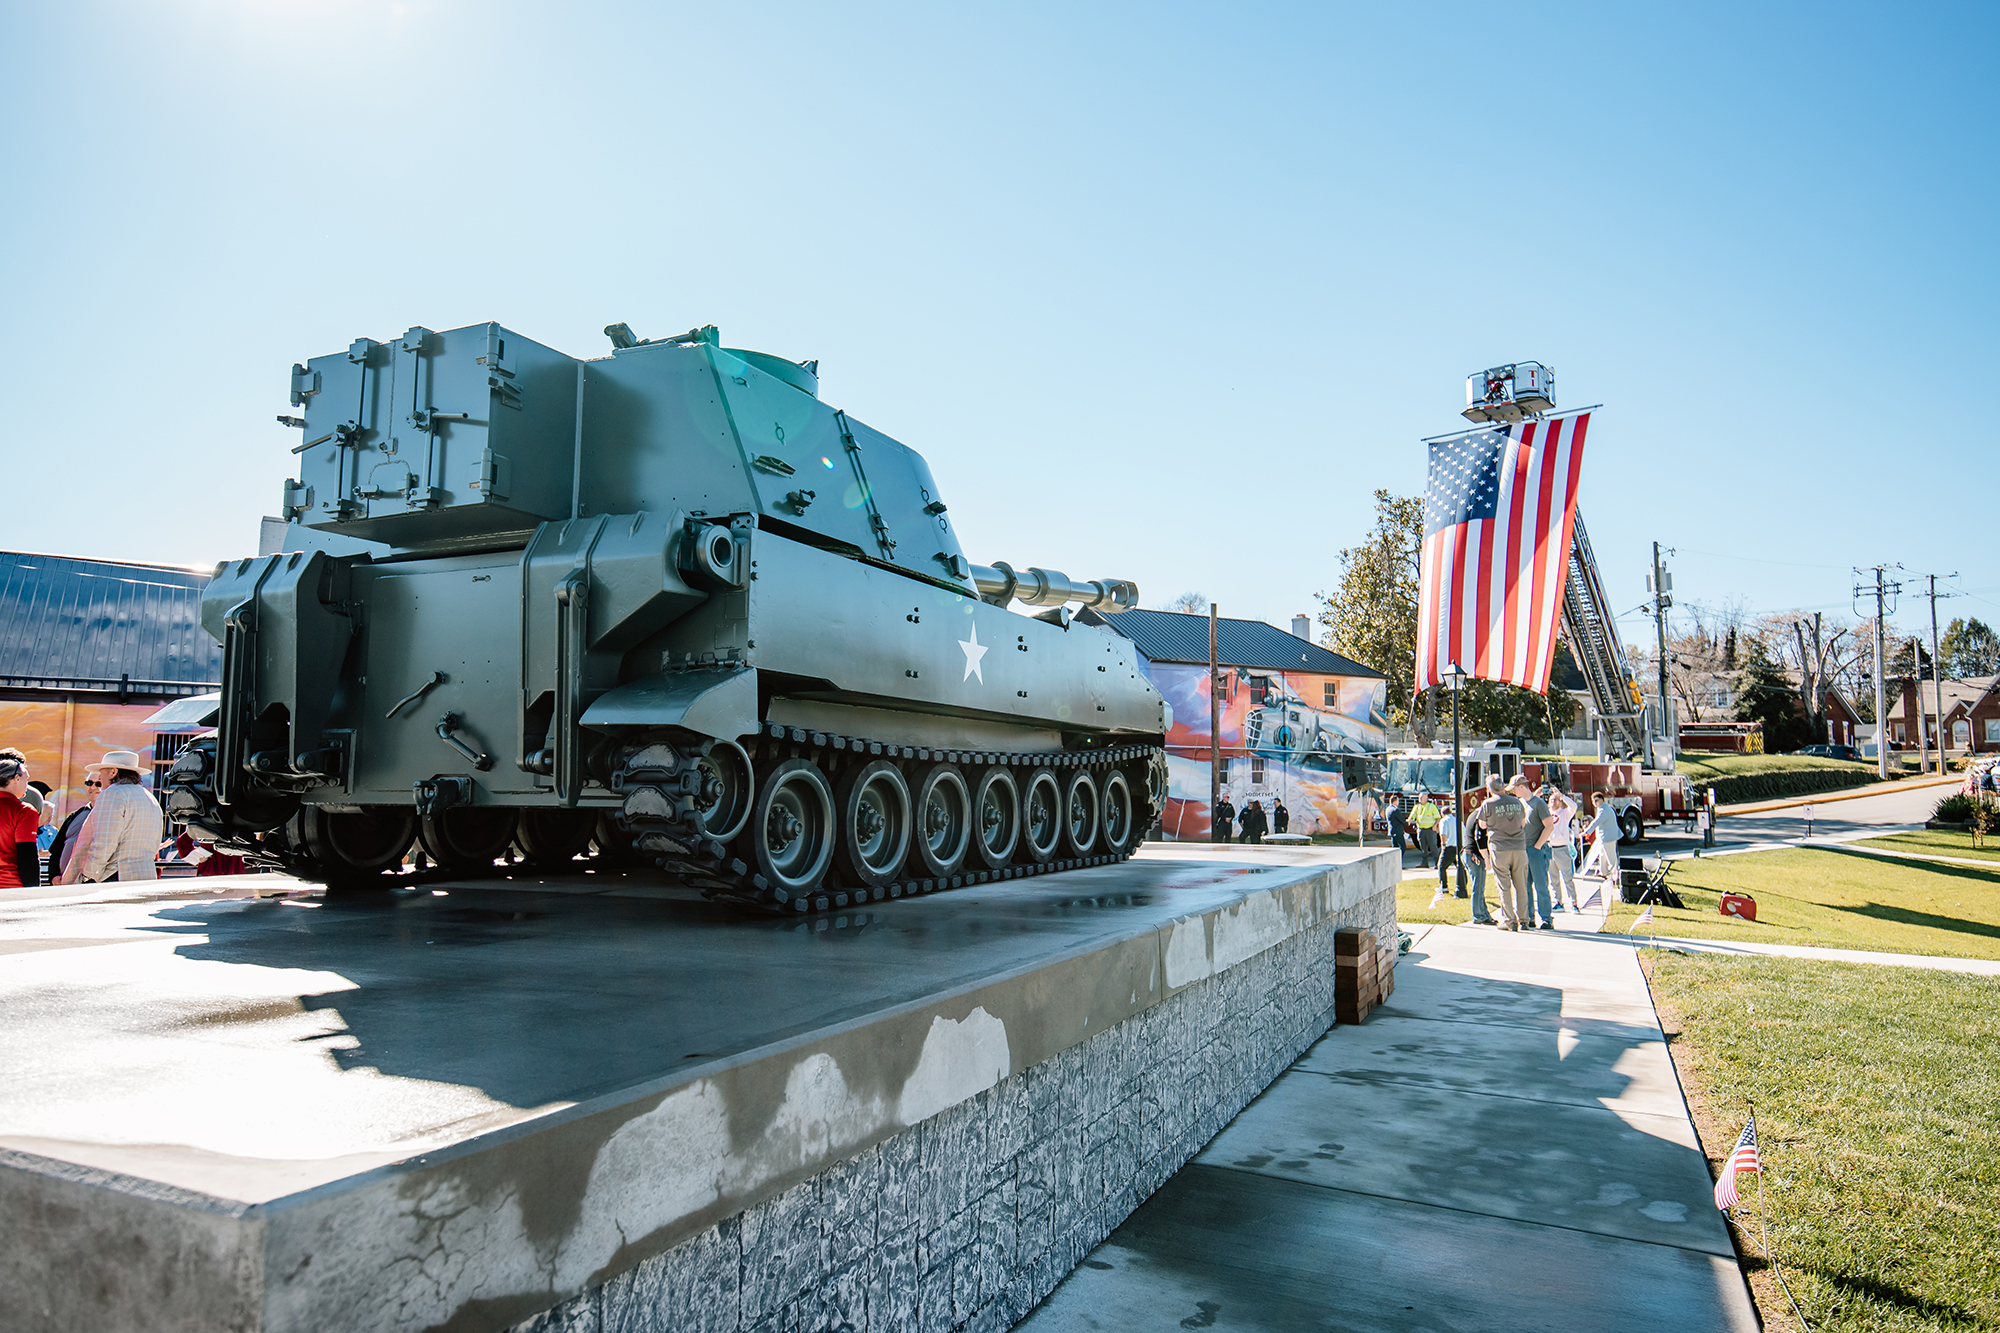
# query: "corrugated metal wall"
(74, 624)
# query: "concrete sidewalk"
(1504, 1146)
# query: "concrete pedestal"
(593, 1103)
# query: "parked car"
(1847, 752)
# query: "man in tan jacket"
(1505, 818)
(121, 838)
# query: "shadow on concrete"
(1472, 1157)
(570, 987)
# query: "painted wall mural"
(1283, 736)
(60, 738)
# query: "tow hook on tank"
(433, 796)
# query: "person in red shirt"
(20, 859)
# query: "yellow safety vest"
(1425, 815)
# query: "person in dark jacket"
(1225, 819)
(1396, 818)
(1255, 823)
(65, 839)
(1281, 818)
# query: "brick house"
(1971, 715)
(1841, 717)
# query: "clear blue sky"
(1162, 291)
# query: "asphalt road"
(1860, 817)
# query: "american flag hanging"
(1742, 1158)
(1499, 507)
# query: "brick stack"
(1357, 974)
(1385, 970)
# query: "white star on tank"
(974, 650)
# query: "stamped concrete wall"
(1037, 1063)
(967, 1219)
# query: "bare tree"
(1821, 653)
(1700, 652)
(1820, 657)
(1191, 603)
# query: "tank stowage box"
(664, 605)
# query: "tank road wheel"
(727, 790)
(1081, 808)
(790, 838)
(614, 845)
(467, 838)
(1041, 817)
(550, 836)
(873, 803)
(944, 822)
(1121, 818)
(996, 817)
(352, 846)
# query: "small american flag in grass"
(1741, 1158)
(1645, 919)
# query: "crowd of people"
(115, 836)
(1253, 823)
(1530, 837)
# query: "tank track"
(724, 876)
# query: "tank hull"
(765, 705)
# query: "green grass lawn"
(1940, 842)
(1706, 767)
(1413, 902)
(1739, 778)
(1878, 1108)
(1834, 899)
(1413, 897)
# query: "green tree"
(1764, 693)
(1969, 647)
(1493, 709)
(1372, 618)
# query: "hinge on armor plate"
(305, 383)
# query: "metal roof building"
(72, 625)
(1174, 636)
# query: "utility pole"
(1923, 733)
(1214, 732)
(1662, 582)
(1937, 684)
(1882, 590)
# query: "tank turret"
(662, 603)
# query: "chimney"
(1302, 628)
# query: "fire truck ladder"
(1593, 642)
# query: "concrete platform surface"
(593, 1066)
(1503, 1146)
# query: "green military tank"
(663, 605)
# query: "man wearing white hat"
(122, 836)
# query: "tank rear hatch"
(462, 437)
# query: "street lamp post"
(1455, 674)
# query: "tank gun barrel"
(1000, 583)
